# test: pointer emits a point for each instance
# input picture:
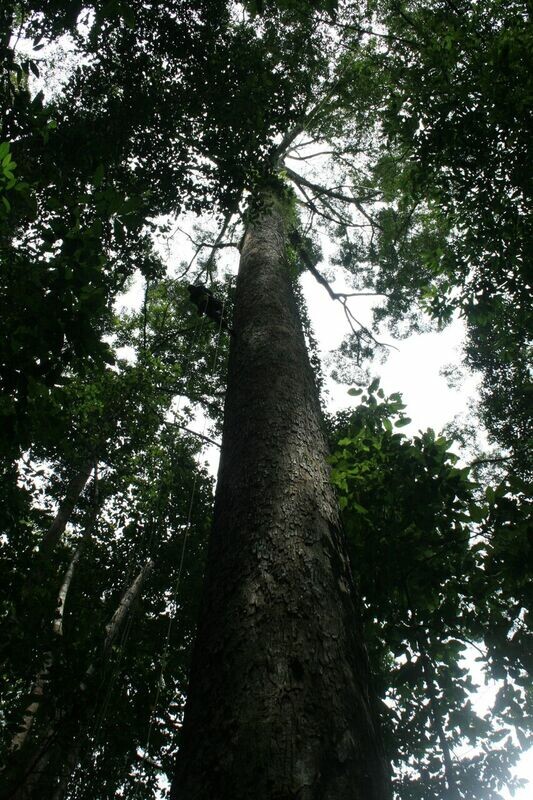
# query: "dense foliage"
(449, 95)
(427, 547)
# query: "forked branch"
(341, 297)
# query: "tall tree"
(77, 647)
(279, 702)
(162, 103)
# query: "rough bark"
(37, 693)
(279, 702)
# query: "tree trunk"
(124, 607)
(65, 586)
(42, 676)
(37, 693)
(279, 704)
(48, 770)
(74, 489)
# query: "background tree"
(137, 509)
(424, 542)
(446, 87)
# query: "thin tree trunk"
(70, 762)
(71, 756)
(128, 598)
(279, 704)
(40, 681)
(29, 787)
(76, 486)
(30, 713)
(39, 760)
(452, 792)
(65, 586)
(54, 760)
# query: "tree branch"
(286, 142)
(200, 435)
(128, 598)
(320, 190)
(151, 761)
(311, 155)
(341, 297)
(489, 460)
(74, 489)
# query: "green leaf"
(98, 175)
(524, 739)
(401, 423)
(476, 512)
(128, 15)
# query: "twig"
(201, 245)
(200, 435)
(189, 265)
(370, 32)
(320, 190)
(489, 460)
(145, 313)
(311, 155)
(217, 244)
(287, 140)
(336, 220)
(341, 297)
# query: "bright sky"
(412, 369)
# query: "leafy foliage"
(450, 99)
(147, 499)
(428, 550)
